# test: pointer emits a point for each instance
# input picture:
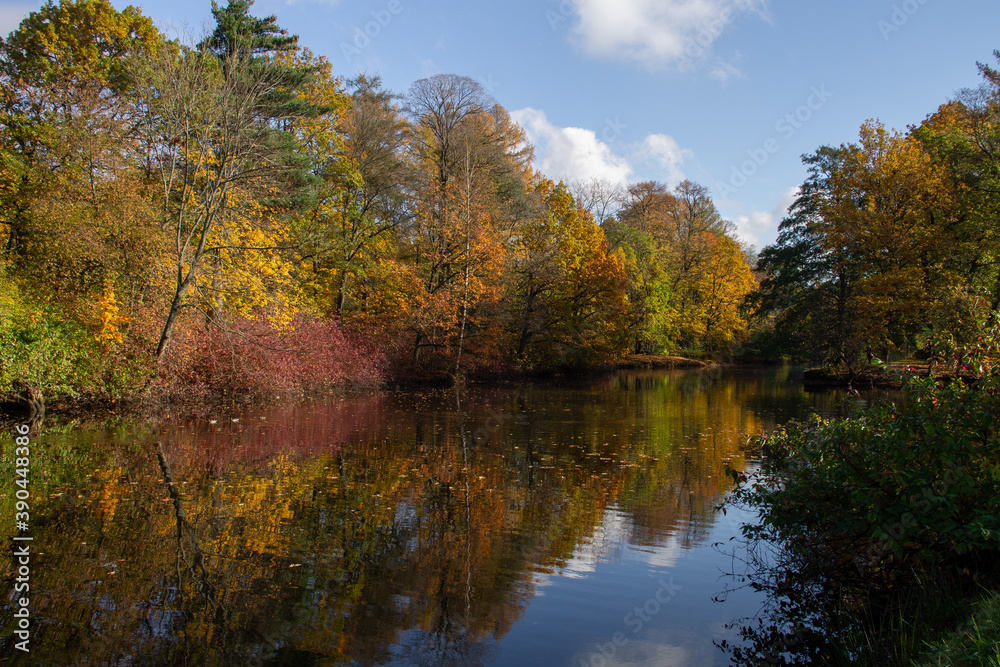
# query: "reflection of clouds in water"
(540, 580)
(615, 531)
(602, 546)
(665, 556)
(654, 648)
(637, 652)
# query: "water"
(545, 524)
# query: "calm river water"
(544, 524)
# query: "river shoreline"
(892, 376)
(89, 408)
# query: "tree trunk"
(340, 294)
(29, 396)
(416, 348)
(175, 309)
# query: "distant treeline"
(892, 247)
(231, 217)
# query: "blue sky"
(727, 93)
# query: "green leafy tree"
(687, 273)
(364, 199)
(568, 285)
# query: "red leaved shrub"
(254, 358)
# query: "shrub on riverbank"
(873, 511)
(253, 358)
(68, 355)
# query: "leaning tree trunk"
(29, 396)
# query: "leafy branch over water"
(864, 521)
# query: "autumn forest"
(228, 215)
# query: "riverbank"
(650, 361)
(230, 396)
(891, 376)
(888, 525)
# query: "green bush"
(870, 513)
(917, 485)
(41, 343)
(46, 348)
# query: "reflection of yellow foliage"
(422, 520)
(110, 491)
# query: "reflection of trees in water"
(366, 530)
(793, 625)
(451, 647)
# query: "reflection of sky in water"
(528, 525)
(589, 615)
(607, 540)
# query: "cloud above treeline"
(659, 34)
(580, 154)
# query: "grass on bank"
(976, 643)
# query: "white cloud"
(665, 153)
(659, 34)
(722, 71)
(760, 228)
(570, 153)
(578, 154)
(11, 15)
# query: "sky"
(727, 93)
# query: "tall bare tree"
(603, 198)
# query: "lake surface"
(566, 523)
